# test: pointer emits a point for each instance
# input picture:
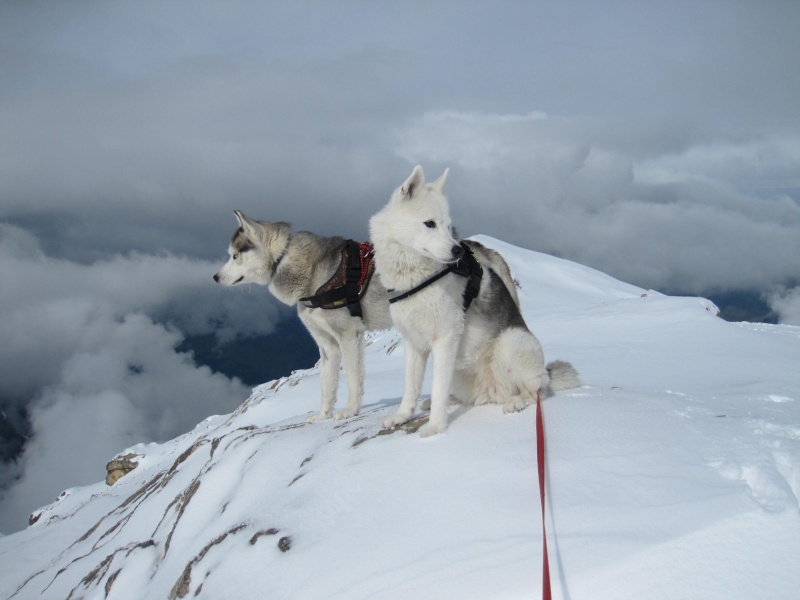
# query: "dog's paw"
(345, 414)
(395, 420)
(323, 416)
(516, 404)
(431, 429)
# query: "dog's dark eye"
(235, 256)
(430, 224)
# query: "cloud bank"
(656, 143)
(707, 217)
(90, 350)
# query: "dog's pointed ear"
(438, 185)
(248, 225)
(414, 183)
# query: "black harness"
(349, 284)
(466, 266)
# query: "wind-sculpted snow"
(674, 472)
(197, 494)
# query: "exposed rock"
(182, 586)
(270, 531)
(119, 466)
(285, 543)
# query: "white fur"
(475, 359)
(293, 266)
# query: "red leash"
(540, 460)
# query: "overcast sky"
(656, 141)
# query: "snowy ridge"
(673, 473)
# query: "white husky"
(295, 266)
(481, 354)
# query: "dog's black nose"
(457, 251)
(216, 277)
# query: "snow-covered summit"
(674, 472)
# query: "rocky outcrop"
(120, 466)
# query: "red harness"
(350, 281)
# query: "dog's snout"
(216, 277)
(457, 251)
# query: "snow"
(674, 472)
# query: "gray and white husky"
(295, 266)
(481, 354)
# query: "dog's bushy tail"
(563, 376)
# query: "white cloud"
(707, 217)
(786, 303)
(763, 164)
(471, 140)
(97, 372)
(124, 384)
(53, 307)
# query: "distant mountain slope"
(258, 358)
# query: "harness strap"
(466, 266)
(421, 286)
(474, 276)
(354, 274)
(326, 299)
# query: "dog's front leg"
(415, 372)
(444, 352)
(352, 345)
(330, 358)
